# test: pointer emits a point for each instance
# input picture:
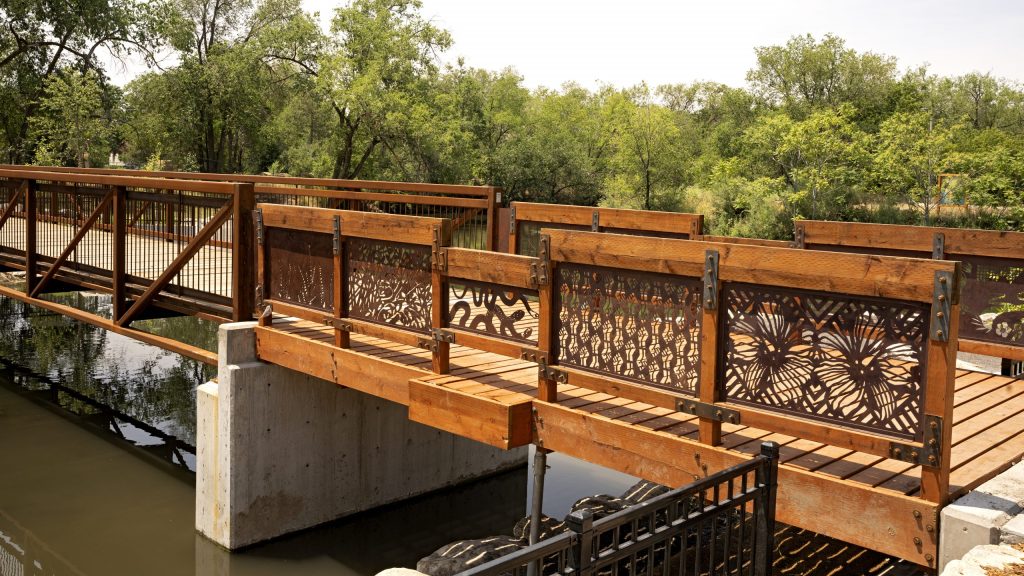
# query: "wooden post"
(707, 384)
(439, 292)
(118, 254)
(547, 390)
(938, 390)
(243, 258)
(493, 203)
(31, 217)
(342, 338)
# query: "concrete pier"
(278, 451)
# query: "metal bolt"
(930, 528)
(942, 297)
(932, 442)
(917, 513)
(934, 425)
(928, 558)
(940, 315)
(897, 452)
(942, 279)
(939, 333)
(932, 459)
(917, 541)
(914, 454)
(718, 414)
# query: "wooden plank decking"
(490, 398)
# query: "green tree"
(912, 150)
(806, 74)
(648, 159)
(70, 126)
(822, 158)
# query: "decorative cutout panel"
(299, 268)
(992, 301)
(389, 283)
(501, 311)
(854, 361)
(632, 325)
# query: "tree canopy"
(821, 130)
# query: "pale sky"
(625, 42)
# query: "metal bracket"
(595, 222)
(337, 235)
(338, 323)
(442, 335)
(930, 454)
(512, 220)
(439, 252)
(941, 299)
(938, 246)
(711, 280)
(708, 411)
(259, 226)
(546, 372)
(798, 237)
(427, 344)
(259, 295)
(540, 270)
(533, 355)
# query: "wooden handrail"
(424, 188)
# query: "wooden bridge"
(623, 338)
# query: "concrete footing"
(992, 514)
(278, 451)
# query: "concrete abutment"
(278, 451)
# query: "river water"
(97, 455)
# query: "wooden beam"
(73, 244)
(880, 520)
(499, 424)
(187, 350)
(842, 273)
(377, 376)
(177, 264)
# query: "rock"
(465, 554)
(983, 559)
(548, 527)
(399, 572)
(643, 491)
(600, 505)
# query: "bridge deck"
(491, 398)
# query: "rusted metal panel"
(639, 326)
(848, 360)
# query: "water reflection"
(139, 392)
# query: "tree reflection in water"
(139, 392)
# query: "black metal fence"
(722, 524)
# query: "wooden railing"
(182, 246)
(527, 218)
(856, 351)
(992, 262)
(472, 209)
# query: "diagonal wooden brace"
(74, 243)
(11, 205)
(177, 264)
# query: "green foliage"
(70, 127)
(821, 130)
